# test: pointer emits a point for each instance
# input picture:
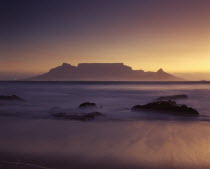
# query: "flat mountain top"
(102, 72)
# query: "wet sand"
(105, 144)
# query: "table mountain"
(102, 72)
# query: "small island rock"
(10, 98)
(87, 105)
(76, 116)
(167, 107)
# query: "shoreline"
(120, 145)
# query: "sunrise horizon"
(145, 35)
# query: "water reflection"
(148, 144)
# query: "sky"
(37, 35)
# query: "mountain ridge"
(102, 72)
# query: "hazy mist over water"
(120, 139)
(114, 98)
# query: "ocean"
(119, 139)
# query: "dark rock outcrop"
(87, 105)
(80, 116)
(85, 116)
(167, 107)
(173, 97)
(64, 114)
(10, 98)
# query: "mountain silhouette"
(102, 72)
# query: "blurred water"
(114, 98)
(121, 139)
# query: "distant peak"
(160, 70)
(65, 64)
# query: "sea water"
(119, 139)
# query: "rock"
(76, 116)
(59, 115)
(167, 107)
(57, 112)
(92, 115)
(84, 116)
(173, 97)
(10, 98)
(87, 105)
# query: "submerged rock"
(10, 98)
(173, 97)
(66, 114)
(167, 107)
(84, 117)
(59, 115)
(57, 112)
(87, 105)
(80, 116)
